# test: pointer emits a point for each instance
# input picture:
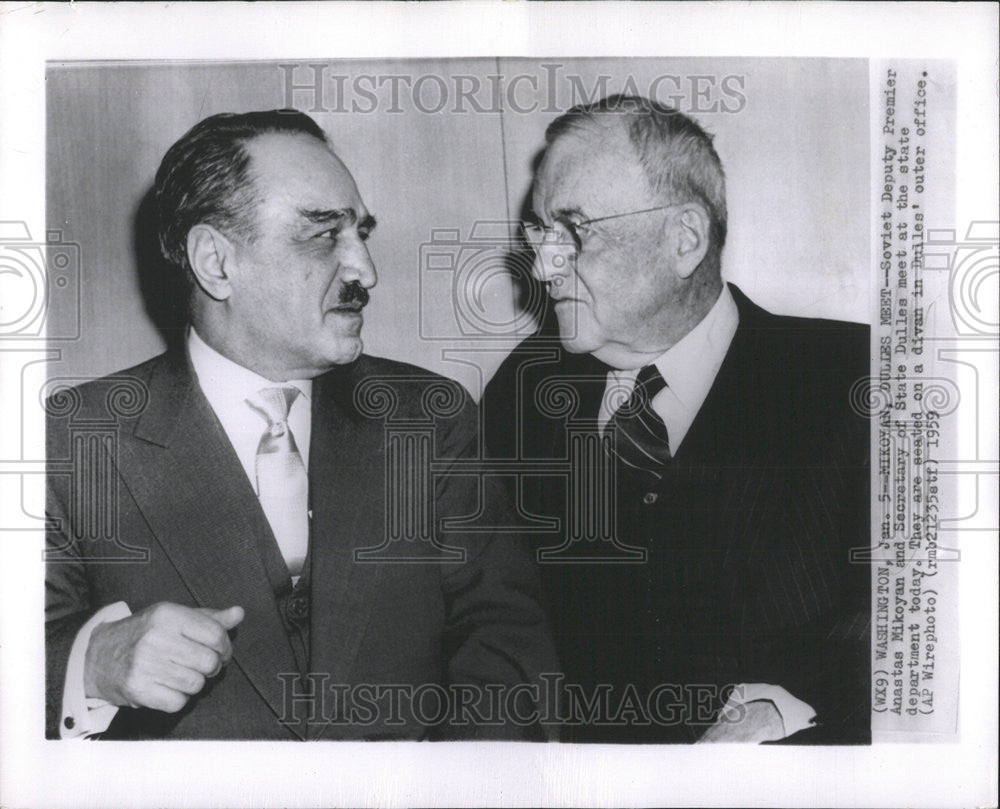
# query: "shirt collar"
(689, 369)
(690, 366)
(225, 382)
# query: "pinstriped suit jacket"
(749, 574)
(159, 509)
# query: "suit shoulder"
(537, 358)
(835, 342)
(843, 329)
(370, 368)
(370, 365)
(834, 335)
(108, 401)
(80, 394)
(417, 392)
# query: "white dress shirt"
(227, 386)
(689, 368)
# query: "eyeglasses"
(536, 234)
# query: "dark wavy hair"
(205, 178)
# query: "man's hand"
(159, 657)
(752, 722)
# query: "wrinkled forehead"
(296, 171)
(593, 170)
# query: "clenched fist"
(160, 657)
(755, 722)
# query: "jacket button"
(69, 722)
(649, 498)
(298, 607)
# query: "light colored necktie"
(282, 483)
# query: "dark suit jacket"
(148, 502)
(748, 574)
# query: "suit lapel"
(193, 492)
(729, 427)
(347, 494)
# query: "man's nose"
(551, 264)
(356, 264)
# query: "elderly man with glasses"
(707, 579)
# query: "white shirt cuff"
(795, 714)
(83, 716)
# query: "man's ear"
(689, 239)
(211, 255)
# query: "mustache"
(353, 294)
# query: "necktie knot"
(274, 403)
(649, 382)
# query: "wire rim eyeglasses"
(536, 233)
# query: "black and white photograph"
(588, 422)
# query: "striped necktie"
(639, 436)
(282, 482)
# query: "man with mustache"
(275, 571)
(708, 547)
